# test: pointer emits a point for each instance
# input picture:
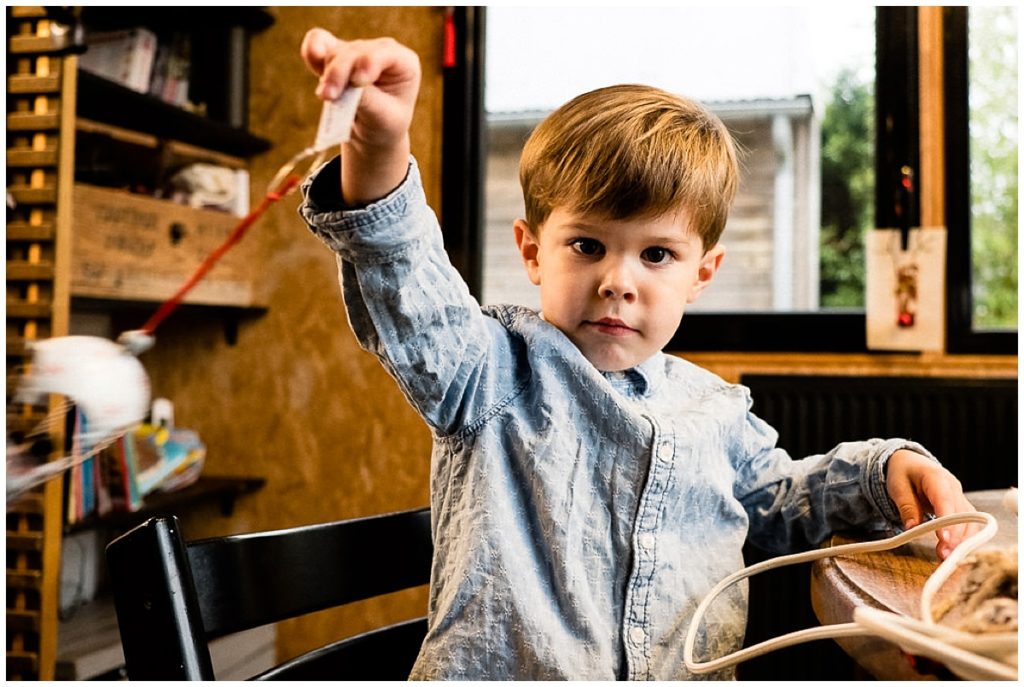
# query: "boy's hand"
(918, 486)
(376, 158)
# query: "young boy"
(587, 489)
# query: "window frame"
(897, 135)
(961, 337)
(463, 146)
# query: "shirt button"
(637, 635)
(665, 451)
(647, 540)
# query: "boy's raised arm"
(405, 301)
(376, 157)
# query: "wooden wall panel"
(296, 400)
(732, 366)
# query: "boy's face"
(616, 288)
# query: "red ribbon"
(168, 306)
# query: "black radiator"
(969, 424)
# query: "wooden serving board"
(891, 581)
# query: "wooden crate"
(132, 247)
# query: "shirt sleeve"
(407, 304)
(794, 504)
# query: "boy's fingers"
(951, 500)
(380, 62)
(910, 514)
(315, 47)
(385, 63)
(903, 497)
(355, 63)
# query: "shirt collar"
(640, 380)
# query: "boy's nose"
(618, 283)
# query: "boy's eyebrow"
(583, 225)
(687, 237)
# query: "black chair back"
(172, 597)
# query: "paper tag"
(926, 252)
(336, 119)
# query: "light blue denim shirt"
(579, 517)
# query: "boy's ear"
(528, 249)
(709, 264)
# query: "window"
(981, 177)
(812, 178)
(775, 76)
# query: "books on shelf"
(170, 78)
(124, 56)
(139, 59)
(141, 461)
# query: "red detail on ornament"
(906, 319)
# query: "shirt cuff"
(322, 189)
(876, 480)
(372, 233)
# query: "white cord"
(941, 574)
(972, 657)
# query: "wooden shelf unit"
(40, 135)
(49, 99)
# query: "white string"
(936, 580)
(969, 656)
(334, 128)
(18, 483)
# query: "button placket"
(645, 528)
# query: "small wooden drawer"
(133, 247)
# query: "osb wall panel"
(296, 400)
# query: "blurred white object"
(162, 413)
(240, 206)
(103, 378)
(136, 341)
(202, 185)
(1010, 500)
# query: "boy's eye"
(656, 254)
(587, 246)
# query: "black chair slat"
(384, 654)
(307, 569)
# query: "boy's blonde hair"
(631, 152)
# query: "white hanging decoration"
(105, 381)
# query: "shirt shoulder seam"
(477, 424)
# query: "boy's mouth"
(610, 326)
